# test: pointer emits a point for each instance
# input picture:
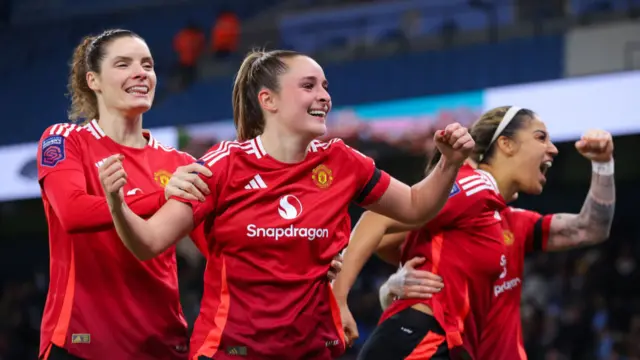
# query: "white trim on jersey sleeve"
(477, 182)
(249, 147)
(64, 129)
(95, 129)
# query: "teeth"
(318, 113)
(138, 90)
(548, 164)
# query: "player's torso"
(276, 229)
(502, 336)
(114, 295)
(469, 255)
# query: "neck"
(506, 186)
(124, 130)
(286, 148)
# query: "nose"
(552, 149)
(324, 96)
(139, 72)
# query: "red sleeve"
(200, 240)
(536, 229)
(371, 181)
(216, 159)
(467, 201)
(63, 182)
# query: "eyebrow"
(546, 134)
(129, 59)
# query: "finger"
(193, 190)
(186, 186)
(332, 275)
(424, 275)
(336, 265)
(439, 136)
(108, 170)
(120, 174)
(414, 262)
(117, 185)
(198, 168)
(201, 185)
(462, 141)
(112, 160)
(451, 128)
(457, 134)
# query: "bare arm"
(421, 202)
(593, 224)
(365, 239)
(389, 249)
(147, 239)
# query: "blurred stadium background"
(398, 69)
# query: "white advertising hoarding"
(21, 175)
(571, 106)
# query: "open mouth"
(138, 90)
(321, 113)
(545, 166)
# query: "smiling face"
(125, 80)
(302, 101)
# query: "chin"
(317, 130)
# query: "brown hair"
(482, 132)
(88, 56)
(260, 69)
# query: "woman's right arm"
(149, 238)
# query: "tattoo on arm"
(593, 223)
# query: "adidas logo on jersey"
(256, 183)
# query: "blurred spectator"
(188, 44)
(224, 34)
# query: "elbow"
(74, 225)
(144, 252)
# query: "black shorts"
(409, 334)
(56, 353)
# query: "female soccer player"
(278, 213)
(102, 301)
(502, 335)
(523, 230)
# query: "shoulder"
(471, 182)
(181, 157)
(521, 216)
(72, 132)
(225, 151)
(336, 146)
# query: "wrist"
(603, 168)
(446, 165)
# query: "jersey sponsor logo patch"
(162, 177)
(506, 286)
(290, 207)
(52, 151)
(454, 190)
(322, 176)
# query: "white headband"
(511, 113)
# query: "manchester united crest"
(322, 176)
(508, 237)
(162, 177)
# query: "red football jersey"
(101, 299)
(277, 227)
(524, 231)
(463, 244)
